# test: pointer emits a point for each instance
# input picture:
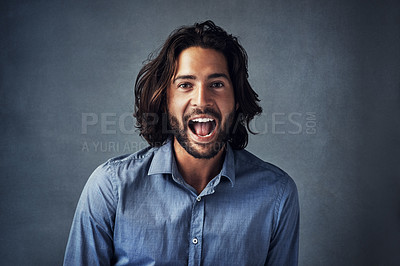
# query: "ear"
(237, 106)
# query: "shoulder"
(248, 165)
(247, 160)
(130, 158)
(115, 169)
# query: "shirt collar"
(228, 168)
(162, 162)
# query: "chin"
(202, 151)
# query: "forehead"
(197, 59)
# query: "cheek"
(178, 104)
(228, 104)
(175, 107)
(171, 102)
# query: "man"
(195, 196)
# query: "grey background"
(339, 60)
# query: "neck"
(197, 172)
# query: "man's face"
(201, 102)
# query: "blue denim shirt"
(138, 210)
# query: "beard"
(208, 150)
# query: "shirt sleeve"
(91, 237)
(284, 244)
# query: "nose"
(202, 97)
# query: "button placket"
(196, 231)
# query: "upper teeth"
(203, 120)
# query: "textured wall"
(327, 73)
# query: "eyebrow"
(212, 76)
(184, 77)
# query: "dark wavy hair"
(155, 76)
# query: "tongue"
(203, 129)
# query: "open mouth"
(202, 127)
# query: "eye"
(217, 85)
(185, 85)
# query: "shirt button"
(195, 241)
(198, 198)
